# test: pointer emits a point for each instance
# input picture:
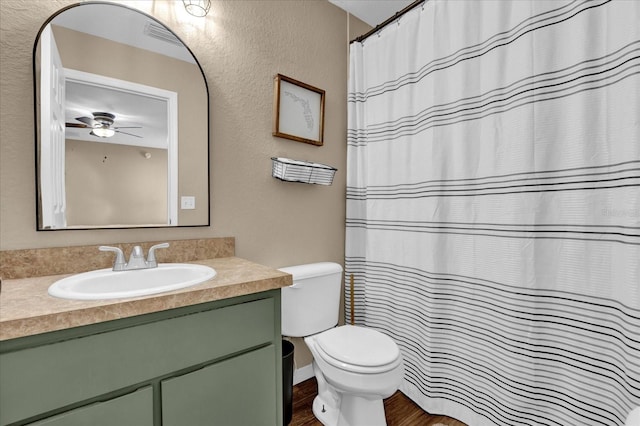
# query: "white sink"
(109, 284)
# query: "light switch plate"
(187, 203)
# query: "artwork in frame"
(298, 111)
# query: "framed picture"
(298, 111)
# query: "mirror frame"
(37, 126)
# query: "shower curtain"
(493, 206)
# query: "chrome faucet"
(136, 259)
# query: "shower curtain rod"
(388, 21)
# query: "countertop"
(27, 309)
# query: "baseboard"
(303, 373)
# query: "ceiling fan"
(101, 125)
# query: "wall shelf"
(289, 170)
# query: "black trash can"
(287, 381)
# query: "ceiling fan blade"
(129, 134)
(77, 125)
(88, 121)
(127, 127)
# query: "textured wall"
(241, 45)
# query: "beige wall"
(101, 176)
(241, 45)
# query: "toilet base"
(352, 411)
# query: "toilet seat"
(358, 349)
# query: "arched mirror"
(122, 122)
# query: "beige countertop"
(27, 309)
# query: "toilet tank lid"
(311, 270)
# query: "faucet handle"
(136, 251)
(119, 263)
(151, 257)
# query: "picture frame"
(298, 111)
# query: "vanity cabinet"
(211, 363)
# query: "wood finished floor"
(399, 410)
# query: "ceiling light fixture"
(103, 132)
(198, 8)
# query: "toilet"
(356, 367)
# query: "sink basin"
(108, 284)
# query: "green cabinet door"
(133, 409)
(238, 391)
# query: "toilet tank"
(312, 303)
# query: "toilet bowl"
(356, 367)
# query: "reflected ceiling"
(131, 110)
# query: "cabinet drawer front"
(40, 379)
(240, 391)
(132, 409)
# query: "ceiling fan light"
(103, 133)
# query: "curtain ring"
(378, 30)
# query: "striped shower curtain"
(493, 206)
